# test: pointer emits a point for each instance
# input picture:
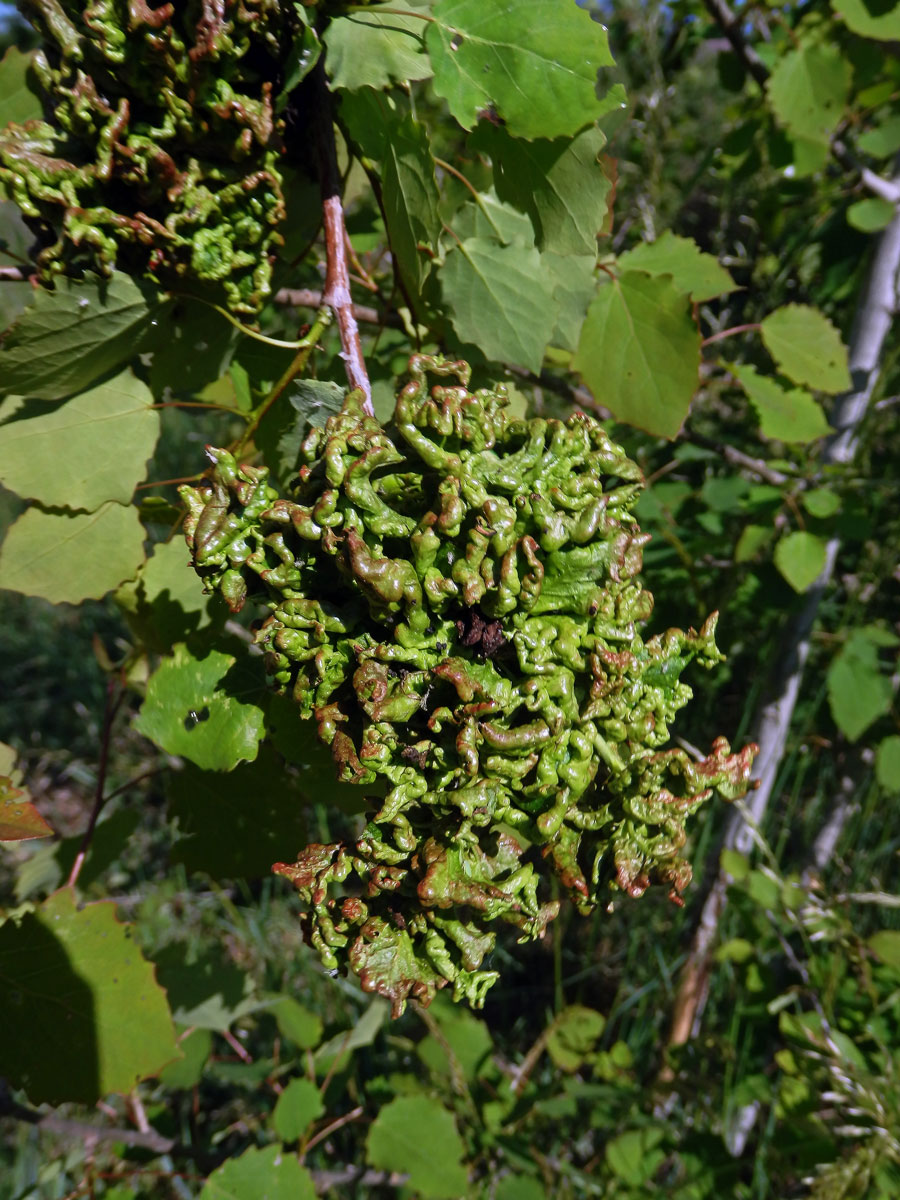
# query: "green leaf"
(808, 91)
(871, 215)
(504, 56)
(468, 1038)
(493, 219)
(372, 49)
(49, 452)
(166, 603)
(561, 184)
(296, 1023)
(281, 431)
(204, 991)
(410, 196)
(639, 352)
(807, 347)
(886, 944)
(751, 541)
(18, 101)
(883, 140)
(574, 284)
(236, 825)
(298, 1106)
(800, 558)
(736, 949)
(195, 352)
(821, 502)
(303, 56)
(887, 763)
(871, 18)
(19, 819)
(417, 1136)
(205, 709)
(785, 415)
(573, 1034)
(196, 1047)
(520, 1187)
(45, 870)
(70, 337)
(692, 271)
(763, 889)
(363, 1033)
(500, 298)
(87, 1015)
(634, 1156)
(15, 239)
(298, 741)
(734, 864)
(858, 692)
(268, 1174)
(67, 558)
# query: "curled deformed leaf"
(454, 602)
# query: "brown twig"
(113, 702)
(725, 333)
(337, 281)
(310, 298)
(353, 1115)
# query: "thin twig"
(731, 27)
(297, 364)
(738, 458)
(337, 280)
(726, 333)
(310, 298)
(113, 703)
(353, 1115)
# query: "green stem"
(297, 364)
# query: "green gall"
(160, 150)
(454, 600)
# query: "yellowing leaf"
(19, 819)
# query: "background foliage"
(163, 1003)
